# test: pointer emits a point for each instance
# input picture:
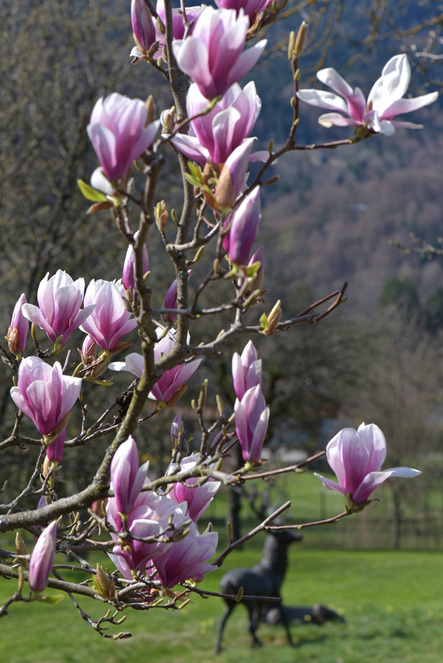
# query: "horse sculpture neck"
(274, 560)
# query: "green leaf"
(51, 600)
(90, 193)
(193, 180)
(252, 270)
(264, 321)
(195, 170)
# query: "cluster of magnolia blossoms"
(251, 412)
(43, 393)
(105, 317)
(213, 56)
(214, 59)
(156, 535)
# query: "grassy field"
(421, 528)
(391, 601)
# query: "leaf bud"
(229, 533)
(167, 120)
(273, 319)
(301, 39)
(203, 394)
(225, 195)
(219, 405)
(161, 216)
(21, 550)
(103, 583)
(180, 534)
(240, 593)
(150, 107)
(291, 44)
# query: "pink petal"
(401, 106)
(323, 99)
(245, 62)
(331, 485)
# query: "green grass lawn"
(391, 600)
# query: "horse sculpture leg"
(229, 608)
(285, 622)
(254, 613)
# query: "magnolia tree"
(139, 520)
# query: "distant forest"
(335, 215)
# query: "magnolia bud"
(42, 558)
(18, 330)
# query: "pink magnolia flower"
(196, 497)
(385, 100)
(187, 559)
(216, 135)
(128, 276)
(118, 133)
(42, 558)
(45, 395)
(59, 301)
(212, 56)
(143, 27)
(110, 319)
(250, 7)
(251, 423)
(127, 478)
(246, 370)
(356, 457)
(243, 228)
(18, 329)
(172, 379)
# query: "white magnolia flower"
(385, 100)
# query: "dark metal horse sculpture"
(264, 579)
